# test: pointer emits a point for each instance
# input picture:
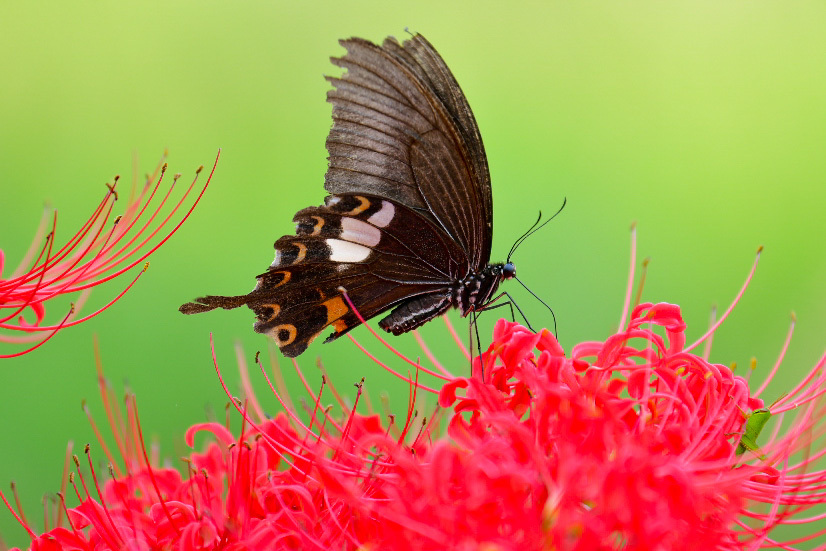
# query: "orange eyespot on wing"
(284, 334)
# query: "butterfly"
(408, 223)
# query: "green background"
(703, 121)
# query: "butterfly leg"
(490, 306)
(475, 327)
(510, 302)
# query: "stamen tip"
(759, 249)
(111, 188)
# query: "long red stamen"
(44, 341)
(780, 357)
(102, 528)
(91, 257)
(626, 307)
(151, 471)
(111, 527)
(429, 355)
(385, 344)
(728, 311)
(455, 336)
(18, 517)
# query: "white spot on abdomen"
(384, 215)
(359, 232)
(346, 251)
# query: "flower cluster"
(98, 252)
(634, 442)
(629, 443)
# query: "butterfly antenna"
(535, 228)
(523, 236)
(540, 300)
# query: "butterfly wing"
(402, 129)
(380, 252)
(410, 213)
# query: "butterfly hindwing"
(357, 243)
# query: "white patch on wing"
(384, 215)
(345, 251)
(277, 261)
(359, 232)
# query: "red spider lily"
(98, 252)
(633, 442)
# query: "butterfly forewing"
(421, 57)
(402, 129)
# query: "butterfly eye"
(508, 271)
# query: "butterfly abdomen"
(468, 294)
(415, 312)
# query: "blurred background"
(703, 121)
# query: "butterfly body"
(408, 223)
(467, 295)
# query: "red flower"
(98, 252)
(633, 442)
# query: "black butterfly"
(409, 221)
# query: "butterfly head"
(508, 271)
